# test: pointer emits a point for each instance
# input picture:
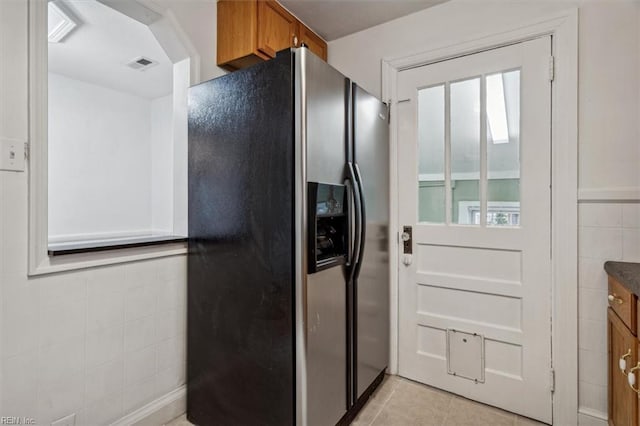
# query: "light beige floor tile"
(414, 404)
(464, 412)
(368, 413)
(525, 421)
(391, 417)
(384, 391)
(402, 402)
(180, 421)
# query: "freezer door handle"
(357, 216)
(362, 232)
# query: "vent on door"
(142, 63)
(465, 355)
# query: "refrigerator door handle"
(357, 215)
(362, 232)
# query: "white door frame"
(563, 28)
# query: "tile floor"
(401, 402)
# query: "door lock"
(407, 240)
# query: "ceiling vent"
(142, 63)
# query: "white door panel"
(474, 184)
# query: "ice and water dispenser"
(328, 226)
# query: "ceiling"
(105, 40)
(98, 50)
(333, 19)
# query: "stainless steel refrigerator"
(288, 272)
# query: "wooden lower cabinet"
(623, 401)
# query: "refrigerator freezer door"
(371, 154)
(324, 101)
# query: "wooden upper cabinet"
(251, 31)
(312, 41)
(277, 28)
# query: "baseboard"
(589, 417)
(159, 411)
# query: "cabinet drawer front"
(623, 303)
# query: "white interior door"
(474, 185)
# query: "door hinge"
(552, 68)
(553, 380)
(26, 150)
(389, 112)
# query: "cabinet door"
(637, 386)
(276, 28)
(237, 22)
(313, 42)
(623, 402)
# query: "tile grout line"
(384, 404)
(390, 395)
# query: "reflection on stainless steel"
(326, 289)
(326, 347)
(300, 220)
(371, 140)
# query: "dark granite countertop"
(627, 273)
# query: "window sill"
(79, 247)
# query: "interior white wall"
(198, 20)
(101, 182)
(63, 337)
(180, 147)
(99, 169)
(161, 148)
(609, 68)
(609, 130)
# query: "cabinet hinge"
(552, 68)
(553, 380)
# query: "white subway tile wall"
(107, 348)
(608, 231)
(98, 342)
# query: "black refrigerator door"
(240, 360)
(371, 275)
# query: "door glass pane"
(431, 193)
(503, 149)
(465, 151)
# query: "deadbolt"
(407, 240)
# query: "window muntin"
(458, 178)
